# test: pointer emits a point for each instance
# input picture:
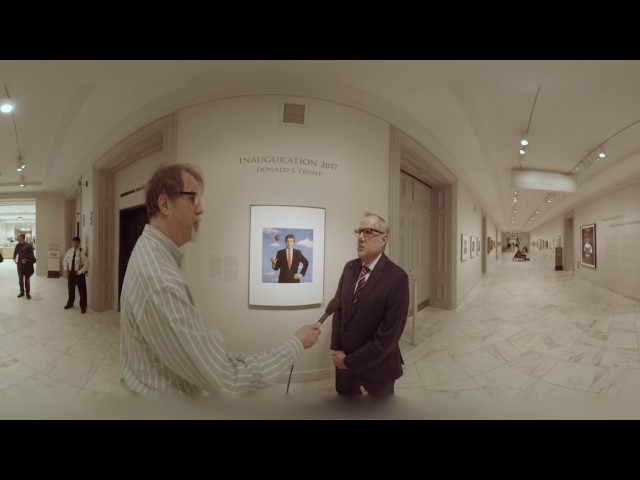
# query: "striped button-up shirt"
(165, 347)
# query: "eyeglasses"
(367, 232)
(195, 197)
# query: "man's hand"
(338, 359)
(274, 260)
(309, 334)
(297, 276)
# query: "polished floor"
(526, 343)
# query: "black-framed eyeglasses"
(367, 232)
(195, 197)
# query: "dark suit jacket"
(25, 252)
(286, 274)
(369, 331)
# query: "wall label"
(284, 165)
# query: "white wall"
(548, 232)
(214, 136)
(617, 220)
(469, 222)
(50, 227)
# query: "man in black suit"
(25, 261)
(374, 302)
(288, 260)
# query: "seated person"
(520, 254)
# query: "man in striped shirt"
(165, 346)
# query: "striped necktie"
(361, 281)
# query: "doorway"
(132, 222)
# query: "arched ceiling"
(469, 114)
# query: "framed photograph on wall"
(478, 251)
(588, 245)
(286, 255)
(472, 248)
(464, 248)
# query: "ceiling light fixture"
(597, 153)
(524, 137)
(6, 106)
(22, 184)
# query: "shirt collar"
(372, 265)
(157, 236)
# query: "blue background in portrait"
(270, 246)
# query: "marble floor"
(526, 343)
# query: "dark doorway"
(132, 222)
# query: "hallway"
(527, 342)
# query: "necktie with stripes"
(361, 281)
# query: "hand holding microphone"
(309, 334)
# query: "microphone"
(332, 306)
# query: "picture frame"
(588, 245)
(281, 285)
(472, 248)
(464, 248)
(478, 251)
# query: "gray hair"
(381, 223)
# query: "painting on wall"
(286, 255)
(478, 251)
(588, 245)
(464, 248)
(472, 249)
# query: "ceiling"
(468, 114)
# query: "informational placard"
(53, 262)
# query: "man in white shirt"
(76, 265)
(165, 345)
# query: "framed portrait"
(286, 255)
(478, 251)
(472, 248)
(464, 248)
(588, 245)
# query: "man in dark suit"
(288, 260)
(374, 303)
(26, 259)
